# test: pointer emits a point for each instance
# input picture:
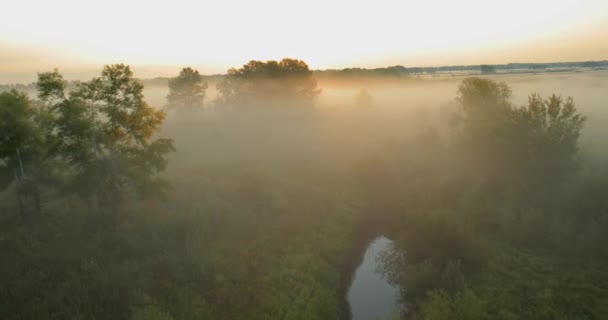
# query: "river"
(370, 295)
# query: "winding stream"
(370, 295)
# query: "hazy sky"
(158, 37)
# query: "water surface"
(370, 295)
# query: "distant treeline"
(399, 71)
(392, 71)
(158, 81)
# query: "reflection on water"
(370, 295)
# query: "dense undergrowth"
(496, 243)
(219, 260)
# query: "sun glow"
(217, 35)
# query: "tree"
(536, 144)
(486, 105)
(187, 90)
(270, 83)
(51, 87)
(23, 149)
(547, 131)
(104, 131)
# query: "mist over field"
(398, 109)
(276, 192)
(304, 160)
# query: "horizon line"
(463, 66)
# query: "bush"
(465, 305)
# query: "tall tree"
(187, 90)
(547, 132)
(104, 130)
(283, 83)
(486, 106)
(24, 157)
(531, 144)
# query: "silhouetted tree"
(287, 82)
(528, 145)
(187, 90)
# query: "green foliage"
(465, 305)
(434, 253)
(442, 237)
(545, 134)
(542, 284)
(283, 83)
(184, 262)
(15, 132)
(16, 114)
(483, 98)
(486, 105)
(232, 244)
(187, 90)
(25, 147)
(104, 131)
(51, 86)
(519, 189)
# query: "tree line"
(402, 71)
(257, 83)
(95, 140)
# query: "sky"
(157, 38)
